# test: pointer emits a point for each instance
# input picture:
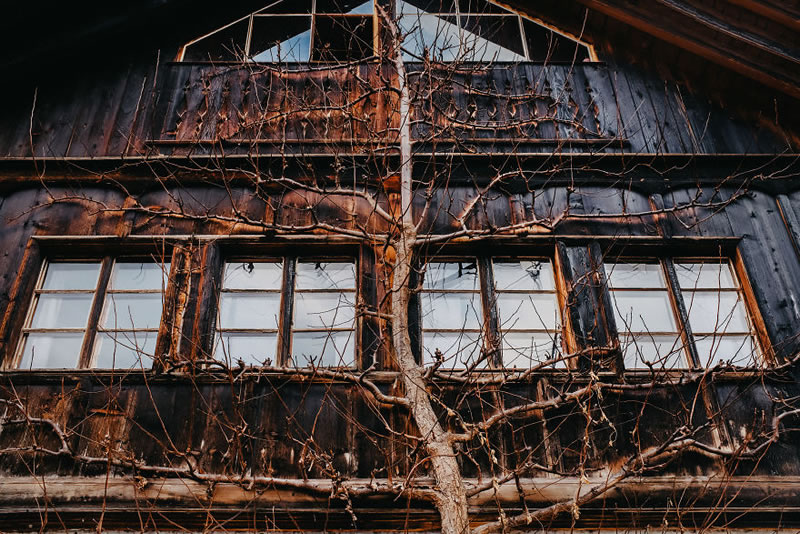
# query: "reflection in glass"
(321, 275)
(459, 349)
(523, 275)
(635, 275)
(709, 275)
(249, 310)
(125, 349)
(51, 350)
(323, 310)
(139, 276)
(451, 276)
(253, 275)
(54, 310)
(736, 350)
(660, 351)
(323, 349)
(61, 276)
(644, 311)
(523, 350)
(720, 312)
(451, 311)
(126, 311)
(528, 311)
(253, 349)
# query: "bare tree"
(378, 121)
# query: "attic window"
(293, 32)
(347, 30)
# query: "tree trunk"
(451, 499)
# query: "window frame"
(491, 331)
(378, 30)
(286, 330)
(691, 357)
(86, 357)
(312, 14)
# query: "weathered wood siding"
(190, 109)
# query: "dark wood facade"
(189, 162)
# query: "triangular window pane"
(480, 34)
(225, 44)
(440, 37)
(492, 38)
(280, 38)
(344, 30)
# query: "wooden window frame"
(764, 355)
(378, 28)
(491, 330)
(106, 260)
(285, 331)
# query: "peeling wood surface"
(196, 110)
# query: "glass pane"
(253, 349)
(55, 351)
(245, 310)
(226, 44)
(324, 310)
(440, 38)
(338, 38)
(534, 311)
(325, 276)
(722, 312)
(665, 352)
(492, 38)
(125, 350)
(524, 275)
(71, 276)
(325, 349)
(62, 311)
(452, 276)
(635, 275)
(524, 350)
(546, 45)
(705, 275)
(458, 348)
(132, 311)
(644, 311)
(736, 350)
(253, 275)
(280, 38)
(451, 311)
(141, 276)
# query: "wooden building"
(203, 209)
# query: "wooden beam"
(644, 19)
(736, 33)
(773, 11)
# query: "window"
(527, 306)
(287, 312)
(100, 314)
(476, 30)
(297, 31)
(457, 312)
(681, 313)
(293, 31)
